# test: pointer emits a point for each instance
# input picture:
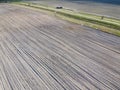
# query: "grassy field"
(107, 24)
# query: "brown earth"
(41, 52)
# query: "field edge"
(103, 26)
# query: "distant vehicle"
(59, 7)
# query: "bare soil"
(109, 10)
(41, 52)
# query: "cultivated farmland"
(110, 10)
(41, 52)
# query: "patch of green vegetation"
(106, 24)
(95, 26)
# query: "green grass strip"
(110, 23)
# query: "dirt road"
(41, 52)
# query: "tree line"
(5, 1)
